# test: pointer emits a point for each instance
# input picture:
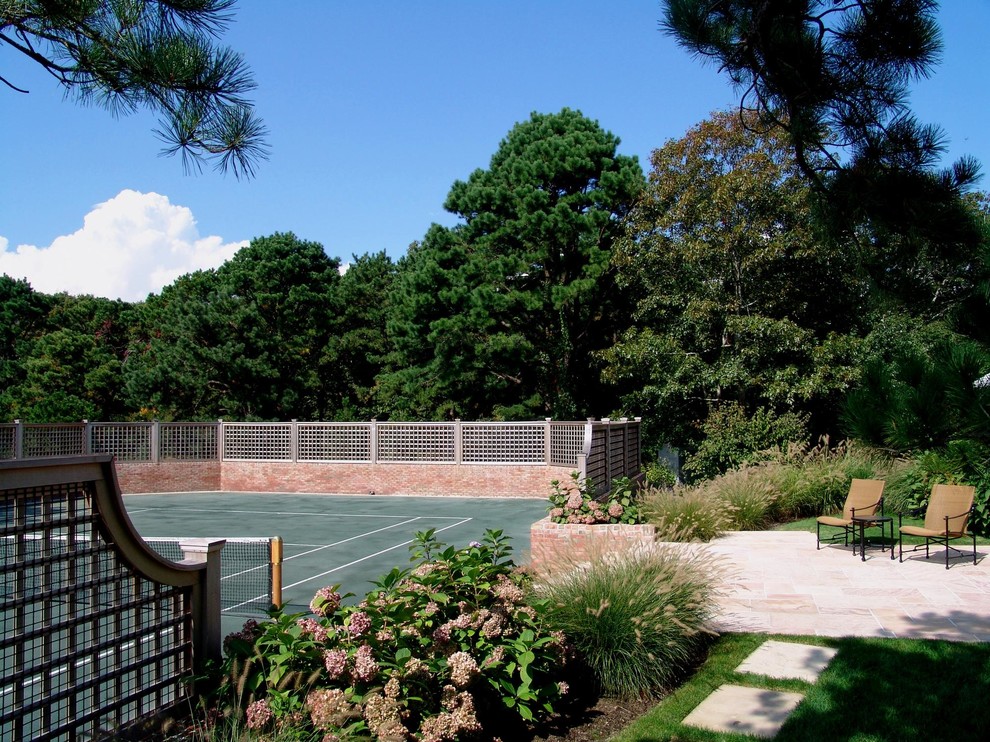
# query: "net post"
(276, 556)
(206, 622)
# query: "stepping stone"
(734, 708)
(788, 660)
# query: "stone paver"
(735, 708)
(777, 659)
(776, 581)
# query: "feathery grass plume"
(684, 513)
(636, 617)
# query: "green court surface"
(348, 540)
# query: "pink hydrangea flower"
(575, 500)
(325, 602)
(359, 623)
(615, 510)
(259, 714)
(312, 626)
(365, 667)
(335, 660)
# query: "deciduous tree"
(741, 302)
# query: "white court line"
(352, 538)
(362, 559)
(328, 546)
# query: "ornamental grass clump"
(684, 513)
(433, 653)
(636, 618)
(578, 503)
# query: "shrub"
(659, 474)
(960, 462)
(731, 438)
(748, 495)
(636, 618)
(684, 514)
(577, 502)
(430, 651)
(814, 480)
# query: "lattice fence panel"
(126, 441)
(490, 443)
(566, 442)
(416, 442)
(188, 441)
(258, 441)
(88, 645)
(7, 440)
(334, 442)
(53, 440)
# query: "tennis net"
(250, 572)
(250, 568)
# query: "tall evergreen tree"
(522, 293)
(836, 77)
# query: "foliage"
(959, 462)
(785, 483)
(659, 474)
(923, 398)
(354, 354)
(731, 281)
(578, 502)
(501, 313)
(837, 77)
(731, 438)
(636, 618)
(244, 341)
(131, 54)
(69, 360)
(685, 514)
(434, 650)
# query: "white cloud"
(130, 246)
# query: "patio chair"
(946, 518)
(865, 498)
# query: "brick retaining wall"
(566, 544)
(168, 476)
(391, 479)
(382, 479)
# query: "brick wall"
(391, 479)
(555, 545)
(169, 476)
(382, 479)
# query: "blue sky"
(375, 109)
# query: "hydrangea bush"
(576, 502)
(432, 653)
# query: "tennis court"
(349, 540)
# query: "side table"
(865, 521)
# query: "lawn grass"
(874, 690)
(808, 524)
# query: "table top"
(872, 518)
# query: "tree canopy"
(836, 77)
(743, 309)
(157, 54)
(501, 313)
